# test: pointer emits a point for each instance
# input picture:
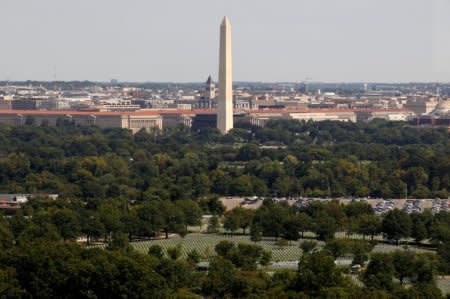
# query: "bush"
(308, 246)
(156, 251)
(174, 252)
(282, 242)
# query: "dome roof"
(443, 108)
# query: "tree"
(178, 274)
(316, 271)
(193, 256)
(291, 228)
(173, 218)
(242, 186)
(270, 217)
(212, 205)
(368, 225)
(237, 218)
(67, 223)
(325, 227)
(266, 257)
(380, 272)
(360, 251)
(415, 177)
(119, 241)
(223, 247)
(396, 225)
(110, 216)
(156, 251)
(425, 267)
(357, 208)
(219, 281)
(308, 246)
(92, 227)
(231, 221)
(213, 225)
(255, 233)
(150, 218)
(174, 252)
(245, 256)
(419, 230)
(6, 238)
(304, 222)
(337, 248)
(9, 285)
(444, 252)
(249, 152)
(191, 210)
(403, 261)
(424, 290)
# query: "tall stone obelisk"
(225, 101)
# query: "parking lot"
(380, 206)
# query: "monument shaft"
(225, 101)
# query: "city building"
(133, 121)
(208, 95)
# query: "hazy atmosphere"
(286, 40)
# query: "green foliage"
(255, 233)
(115, 187)
(237, 218)
(316, 271)
(213, 224)
(49, 270)
(324, 158)
(245, 256)
(67, 223)
(156, 251)
(6, 237)
(325, 228)
(219, 281)
(178, 274)
(368, 225)
(308, 246)
(9, 285)
(396, 225)
(119, 241)
(174, 252)
(193, 256)
(337, 248)
(380, 272)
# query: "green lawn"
(205, 243)
(443, 283)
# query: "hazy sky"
(178, 40)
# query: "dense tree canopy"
(116, 187)
(380, 159)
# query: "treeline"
(279, 220)
(60, 270)
(117, 221)
(45, 269)
(38, 258)
(51, 220)
(378, 159)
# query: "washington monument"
(225, 102)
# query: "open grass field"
(205, 243)
(282, 257)
(443, 283)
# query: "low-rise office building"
(133, 121)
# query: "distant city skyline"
(273, 41)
